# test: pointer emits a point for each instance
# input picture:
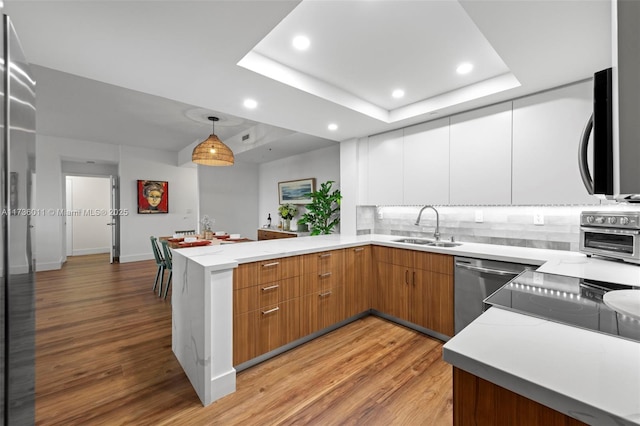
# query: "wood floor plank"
(103, 356)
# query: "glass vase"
(286, 226)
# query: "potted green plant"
(323, 213)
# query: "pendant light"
(212, 152)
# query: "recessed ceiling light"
(250, 103)
(332, 127)
(464, 68)
(398, 93)
(301, 42)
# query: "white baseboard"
(136, 257)
(96, 250)
(48, 266)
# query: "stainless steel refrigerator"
(17, 215)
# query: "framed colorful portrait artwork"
(153, 196)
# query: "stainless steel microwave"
(615, 124)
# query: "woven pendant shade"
(212, 152)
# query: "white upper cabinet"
(385, 180)
(480, 162)
(426, 163)
(546, 133)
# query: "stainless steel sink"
(444, 244)
(414, 241)
(430, 243)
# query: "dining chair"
(168, 264)
(160, 261)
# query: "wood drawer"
(269, 271)
(273, 293)
(245, 275)
(326, 261)
(322, 271)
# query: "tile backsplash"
(504, 225)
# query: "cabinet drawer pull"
(324, 255)
(406, 276)
(271, 287)
(358, 249)
(328, 293)
(326, 274)
(277, 308)
(266, 265)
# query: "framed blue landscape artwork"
(296, 191)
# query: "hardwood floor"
(103, 356)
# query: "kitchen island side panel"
(202, 327)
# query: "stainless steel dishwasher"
(474, 281)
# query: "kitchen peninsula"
(202, 304)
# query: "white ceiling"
(148, 72)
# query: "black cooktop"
(568, 300)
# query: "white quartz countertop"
(222, 256)
(590, 376)
(552, 261)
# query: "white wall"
(89, 233)
(230, 196)
(322, 164)
(135, 229)
(134, 164)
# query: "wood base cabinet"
(321, 310)
(357, 281)
(479, 402)
(277, 325)
(323, 290)
(416, 287)
(266, 306)
(278, 301)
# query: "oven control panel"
(625, 220)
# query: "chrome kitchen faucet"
(436, 233)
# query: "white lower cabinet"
(480, 162)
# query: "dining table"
(178, 242)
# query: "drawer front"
(323, 262)
(332, 261)
(290, 288)
(244, 300)
(290, 267)
(245, 275)
(269, 271)
(268, 294)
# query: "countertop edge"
(562, 403)
(512, 350)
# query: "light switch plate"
(479, 216)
